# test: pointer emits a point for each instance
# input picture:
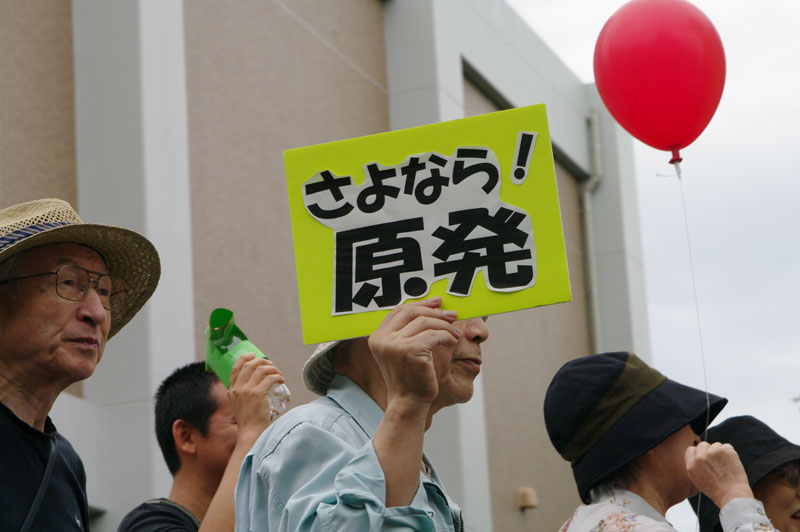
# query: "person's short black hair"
(183, 395)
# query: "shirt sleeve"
(744, 515)
(313, 480)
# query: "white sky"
(741, 180)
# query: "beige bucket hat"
(318, 369)
(128, 255)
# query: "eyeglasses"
(72, 283)
(790, 474)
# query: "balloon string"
(699, 326)
(677, 165)
(696, 306)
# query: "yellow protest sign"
(467, 210)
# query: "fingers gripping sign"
(405, 345)
(251, 380)
(715, 469)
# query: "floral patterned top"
(624, 511)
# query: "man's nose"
(476, 330)
(92, 308)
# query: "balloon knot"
(676, 157)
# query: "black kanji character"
(504, 226)
(384, 258)
(460, 172)
(377, 189)
(334, 186)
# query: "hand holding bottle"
(226, 344)
(252, 380)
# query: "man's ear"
(184, 436)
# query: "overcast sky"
(741, 180)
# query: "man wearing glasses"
(65, 288)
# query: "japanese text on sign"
(428, 218)
(466, 210)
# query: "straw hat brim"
(128, 255)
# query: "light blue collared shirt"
(315, 469)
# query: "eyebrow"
(67, 261)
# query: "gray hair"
(621, 479)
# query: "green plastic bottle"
(225, 343)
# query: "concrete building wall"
(486, 42)
(534, 344)
(37, 105)
(263, 77)
(37, 117)
(526, 348)
(132, 166)
(171, 117)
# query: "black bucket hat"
(761, 450)
(602, 411)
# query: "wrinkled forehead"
(51, 256)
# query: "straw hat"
(128, 255)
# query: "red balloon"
(660, 69)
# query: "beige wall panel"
(524, 350)
(37, 110)
(569, 201)
(37, 105)
(354, 28)
(264, 77)
(475, 102)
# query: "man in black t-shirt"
(65, 506)
(160, 515)
(65, 288)
(204, 433)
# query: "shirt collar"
(49, 427)
(356, 402)
(635, 504)
(364, 410)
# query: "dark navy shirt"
(24, 452)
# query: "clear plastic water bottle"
(279, 395)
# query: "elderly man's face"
(458, 366)
(55, 339)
